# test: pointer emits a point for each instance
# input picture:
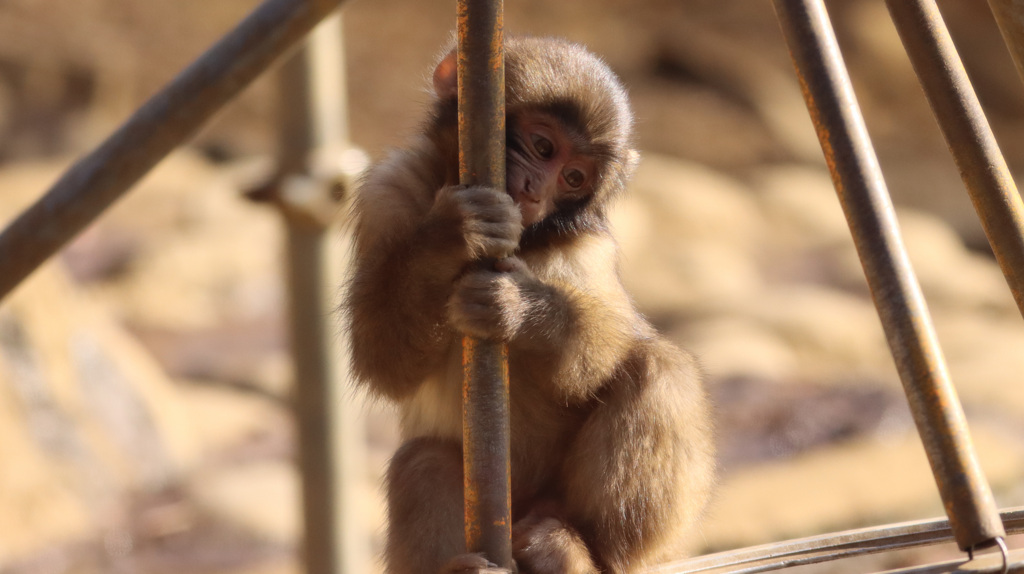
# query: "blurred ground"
(144, 379)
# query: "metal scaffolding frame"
(973, 520)
(905, 319)
(304, 181)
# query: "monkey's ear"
(632, 160)
(446, 77)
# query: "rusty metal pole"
(1009, 16)
(967, 133)
(858, 181)
(485, 411)
(161, 124)
(312, 168)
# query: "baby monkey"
(610, 432)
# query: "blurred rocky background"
(144, 377)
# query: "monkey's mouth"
(531, 208)
(521, 197)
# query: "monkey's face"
(545, 167)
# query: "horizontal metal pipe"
(486, 434)
(858, 181)
(828, 547)
(161, 124)
(967, 133)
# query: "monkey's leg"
(425, 517)
(639, 472)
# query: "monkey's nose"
(529, 191)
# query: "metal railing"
(828, 547)
(176, 112)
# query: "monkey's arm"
(410, 244)
(571, 322)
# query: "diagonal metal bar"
(161, 124)
(485, 411)
(858, 181)
(967, 133)
(1009, 15)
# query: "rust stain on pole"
(858, 180)
(485, 411)
(485, 449)
(967, 133)
(161, 124)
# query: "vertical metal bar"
(858, 181)
(1009, 16)
(318, 396)
(967, 133)
(329, 426)
(485, 411)
(165, 121)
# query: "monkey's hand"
(472, 564)
(487, 221)
(495, 301)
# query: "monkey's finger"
(494, 248)
(484, 197)
(504, 265)
(469, 201)
(500, 229)
(483, 192)
(482, 279)
(492, 212)
(477, 327)
(474, 296)
(500, 215)
(483, 246)
(472, 564)
(511, 265)
(510, 225)
(472, 288)
(507, 229)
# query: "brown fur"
(611, 451)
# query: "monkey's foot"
(472, 564)
(546, 545)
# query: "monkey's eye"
(543, 146)
(574, 178)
